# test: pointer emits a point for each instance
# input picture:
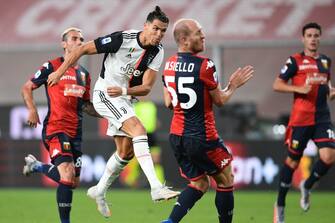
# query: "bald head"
(183, 28)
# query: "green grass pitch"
(135, 206)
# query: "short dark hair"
(311, 25)
(157, 14)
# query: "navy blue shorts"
(63, 148)
(297, 138)
(198, 157)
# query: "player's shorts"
(297, 138)
(197, 157)
(115, 109)
(63, 148)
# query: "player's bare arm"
(72, 58)
(89, 109)
(167, 98)
(27, 94)
(236, 80)
(282, 86)
(149, 78)
(331, 91)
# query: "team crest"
(66, 146)
(295, 144)
(324, 63)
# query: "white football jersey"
(125, 59)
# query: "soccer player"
(309, 72)
(131, 61)
(62, 127)
(191, 89)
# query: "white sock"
(112, 170)
(142, 153)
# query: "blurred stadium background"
(262, 33)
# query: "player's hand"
(303, 89)
(114, 91)
(241, 76)
(331, 93)
(33, 119)
(53, 78)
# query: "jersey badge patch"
(37, 74)
(106, 40)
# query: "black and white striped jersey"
(125, 59)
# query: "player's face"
(154, 32)
(311, 39)
(196, 39)
(73, 40)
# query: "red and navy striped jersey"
(189, 78)
(65, 99)
(311, 108)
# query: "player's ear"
(63, 44)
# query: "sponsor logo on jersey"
(179, 66)
(106, 40)
(74, 90)
(308, 66)
(68, 77)
(324, 63)
(129, 70)
(316, 78)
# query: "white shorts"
(115, 109)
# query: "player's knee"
(293, 164)
(201, 184)
(225, 180)
(67, 172)
(126, 154)
(134, 127)
(328, 157)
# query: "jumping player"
(309, 72)
(191, 89)
(131, 61)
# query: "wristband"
(124, 91)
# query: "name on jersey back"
(179, 66)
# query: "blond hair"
(65, 32)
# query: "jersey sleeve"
(289, 69)
(208, 74)
(157, 61)
(41, 76)
(110, 43)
